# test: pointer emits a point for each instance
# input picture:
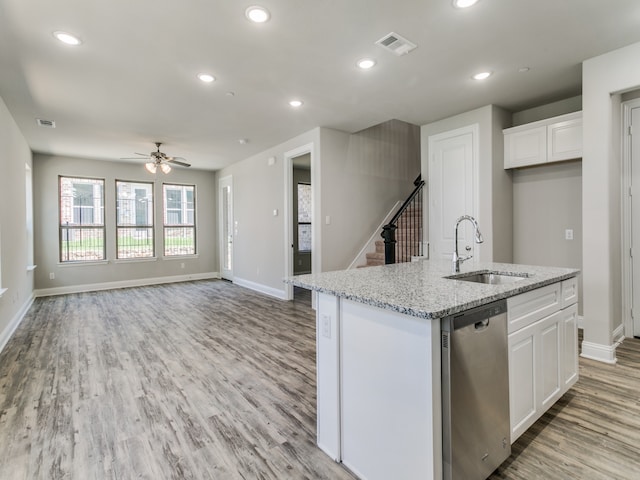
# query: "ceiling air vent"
(396, 44)
(46, 123)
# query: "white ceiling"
(133, 80)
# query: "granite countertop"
(420, 289)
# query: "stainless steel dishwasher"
(475, 392)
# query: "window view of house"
(134, 220)
(304, 217)
(179, 220)
(82, 231)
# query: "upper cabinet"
(551, 140)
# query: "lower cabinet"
(543, 360)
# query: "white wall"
(14, 257)
(604, 78)
(495, 194)
(47, 168)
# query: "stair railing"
(410, 215)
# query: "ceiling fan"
(159, 159)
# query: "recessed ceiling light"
(257, 14)
(481, 75)
(464, 3)
(67, 38)
(296, 103)
(206, 78)
(366, 63)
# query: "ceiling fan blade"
(131, 158)
(177, 162)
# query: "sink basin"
(490, 278)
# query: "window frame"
(80, 227)
(298, 222)
(150, 215)
(184, 213)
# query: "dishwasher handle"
(477, 315)
(482, 324)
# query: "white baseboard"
(258, 287)
(7, 333)
(139, 282)
(618, 335)
(601, 353)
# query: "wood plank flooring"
(207, 380)
(201, 380)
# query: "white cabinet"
(543, 351)
(551, 140)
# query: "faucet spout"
(457, 259)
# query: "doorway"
(299, 219)
(225, 202)
(631, 216)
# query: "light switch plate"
(325, 321)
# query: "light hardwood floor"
(207, 380)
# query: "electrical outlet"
(568, 234)
(52, 276)
(182, 265)
(325, 321)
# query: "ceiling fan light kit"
(159, 159)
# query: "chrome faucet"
(457, 259)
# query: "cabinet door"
(570, 346)
(526, 147)
(549, 355)
(565, 140)
(522, 379)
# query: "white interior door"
(452, 190)
(635, 217)
(225, 200)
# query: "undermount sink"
(488, 277)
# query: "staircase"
(403, 235)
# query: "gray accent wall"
(70, 277)
(15, 155)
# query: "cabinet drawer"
(569, 292)
(525, 309)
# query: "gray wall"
(69, 277)
(495, 192)
(15, 155)
(547, 200)
(568, 105)
(363, 175)
(356, 179)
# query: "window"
(304, 217)
(81, 219)
(179, 220)
(134, 220)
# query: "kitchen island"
(379, 356)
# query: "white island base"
(379, 401)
